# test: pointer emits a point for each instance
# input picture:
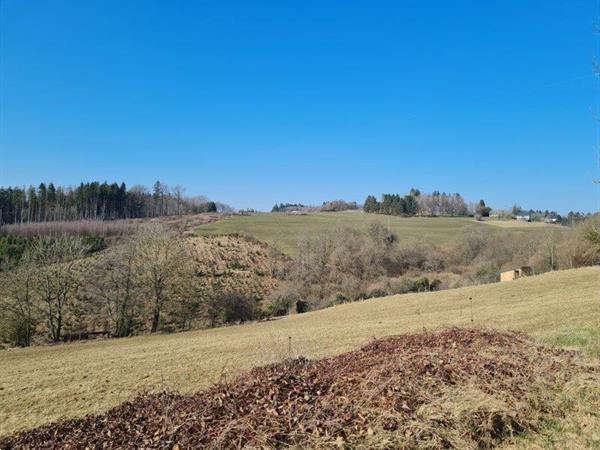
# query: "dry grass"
(457, 388)
(237, 263)
(119, 227)
(42, 384)
(519, 224)
(75, 228)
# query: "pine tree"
(411, 206)
(371, 205)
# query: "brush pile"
(454, 388)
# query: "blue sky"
(254, 102)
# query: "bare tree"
(177, 192)
(117, 285)
(18, 306)
(57, 280)
(161, 256)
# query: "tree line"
(415, 202)
(95, 201)
(61, 290)
(348, 264)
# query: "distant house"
(551, 218)
(513, 274)
(523, 215)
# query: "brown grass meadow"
(43, 384)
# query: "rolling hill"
(283, 230)
(42, 384)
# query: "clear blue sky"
(256, 102)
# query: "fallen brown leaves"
(454, 388)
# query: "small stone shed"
(513, 274)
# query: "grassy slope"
(521, 225)
(41, 384)
(283, 230)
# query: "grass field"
(283, 230)
(41, 384)
(520, 224)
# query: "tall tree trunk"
(155, 320)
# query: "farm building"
(513, 274)
(552, 218)
(523, 215)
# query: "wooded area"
(96, 201)
(434, 204)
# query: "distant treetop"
(95, 200)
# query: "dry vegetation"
(106, 228)
(346, 264)
(153, 281)
(450, 389)
(165, 281)
(41, 384)
(72, 228)
(236, 264)
(511, 223)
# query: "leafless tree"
(117, 286)
(17, 305)
(178, 192)
(57, 279)
(161, 256)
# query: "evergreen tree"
(411, 207)
(92, 200)
(482, 210)
(371, 205)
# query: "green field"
(41, 384)
(283, 230)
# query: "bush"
(486, 272)
(237, 307)
(302, 306)
(16, 330)
(339, 299)
(417, 255)
(376, 293)
(11, 250)
(235, 265)
(94, 243)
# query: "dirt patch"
(454, 388)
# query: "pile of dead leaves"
(455, 388)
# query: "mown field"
(42, 384)
(284, 230)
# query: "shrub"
(11, 250)
(302, 306)
(339, 299)
(417, 255)
(237, 307)
(375, 293)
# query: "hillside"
(235, 263)
(283, 230)
(456, 388)
(41, 384)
